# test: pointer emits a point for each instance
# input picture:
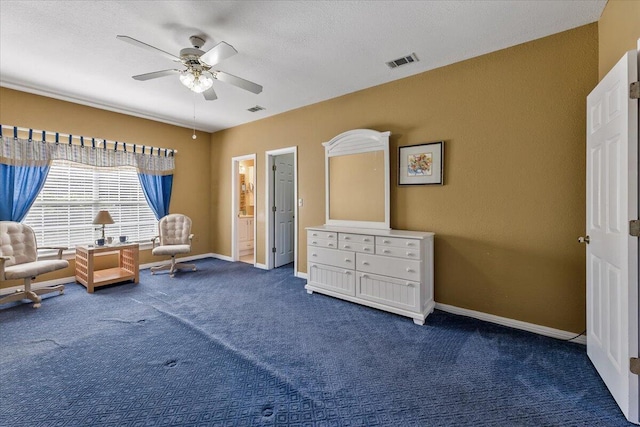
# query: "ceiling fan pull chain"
(194, 116)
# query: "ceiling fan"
(199, 73)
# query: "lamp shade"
(103, 217)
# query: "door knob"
(583, 240)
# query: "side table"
(128, 267)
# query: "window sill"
(71, 253)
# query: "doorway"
(281, 208)
(243, 197)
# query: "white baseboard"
(222, 257)
(302, 275)
(261, 266)
(512, 323)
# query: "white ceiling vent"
(403, 61)
(256, 108)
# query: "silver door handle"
(584, 240)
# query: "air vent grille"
(256, 108)
(403, 61)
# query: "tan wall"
(507, 219)
(618, 32)
(191, 192)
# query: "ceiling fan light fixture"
(197, 82)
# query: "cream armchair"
(19, 260)
(174, 239)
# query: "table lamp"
(103, 218)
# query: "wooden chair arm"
(57, 248)
(2, 261)
(154, 240)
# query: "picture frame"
(421, 164)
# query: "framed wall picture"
(421, 164)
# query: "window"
(63, 212)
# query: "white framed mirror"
(357, 179)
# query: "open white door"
(612, 253)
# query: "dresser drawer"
(388, 291)
(398, 242)
(356, 238)
(331, 257)
(332, 278)
(323, 243)
(394, 267)
(315, 234)
(407, 253)
(356, 247)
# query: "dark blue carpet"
(231, 345)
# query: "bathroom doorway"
(243, 194)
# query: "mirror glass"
(357, 187)
(357, 179)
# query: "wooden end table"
(128, 267)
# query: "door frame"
(235, 204)
(269, 200)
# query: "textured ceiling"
(301, 52)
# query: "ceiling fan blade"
(147, 47)
(210, 94)
(237, 81)
(218, 53)
(155, 75)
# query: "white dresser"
(390, 270)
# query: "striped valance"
(27, 152)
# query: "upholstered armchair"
(174, 238)
(19, 260)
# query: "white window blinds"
(63, 212)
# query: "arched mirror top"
(357, 179)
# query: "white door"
(612, 254)
(284, 212)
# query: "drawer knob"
(386, 251)
(347, 260)
(386, 241)
(347, 238)
(410, 270)
(347, 272)
(314, 234)
(365, 263)
(313, 242)
(367, 249)
(330, 245)
(367, 240)
(410, 254)
(365, 276)
(347, 247)
(314, 254)
(410, 244)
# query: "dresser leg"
(418, 322)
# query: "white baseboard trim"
(302, 275)
(512, 323)
(261, 266)
(222, 257)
